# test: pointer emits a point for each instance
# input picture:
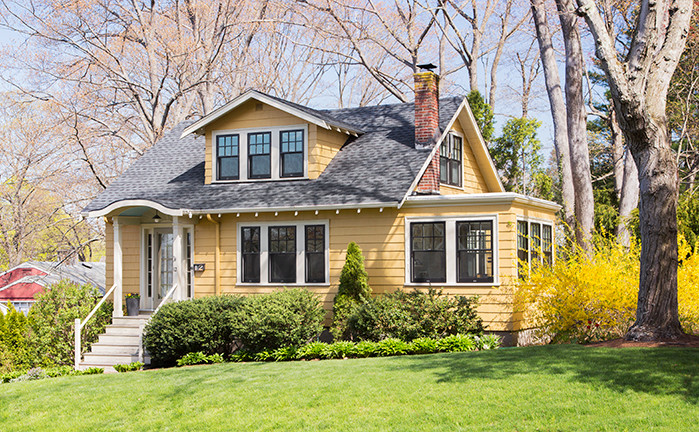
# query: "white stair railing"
(80, 324)
(166, 298)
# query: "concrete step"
(99, 348)
(111, 359)
(128, 321)
(107, 339)
(114, 330)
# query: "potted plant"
(133, 301)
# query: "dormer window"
(259, 154)
(291, 153)
(450, 156)
(227, 157)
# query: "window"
(522, 248)
(259, 160)
(547, 240)
(227, 157)
(315, 253)
(427, 252)
(251, 254)
(474, 252)
(291, 153)
(450, 156)
(282, 254)
(534, 244)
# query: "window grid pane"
(315, 253)
(522, 248)
(259, 162)
(547, 240)
(227, 157)
(450, 157)
(282, 254)
(291, 153)
(251, 254)
(474, 251)
(535, 241)
(428, 257)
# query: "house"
(263, 193)
(19, 285)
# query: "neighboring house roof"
(376, 168)
(21, 283)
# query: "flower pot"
(132, 306)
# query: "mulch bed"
(686, 341)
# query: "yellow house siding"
(131, 257)
(323, 145)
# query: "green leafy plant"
(488, 341)
(338, 350)
(285, 318)
(457, 343)
(391, 347)
(133, 296)
(353, 289)
(131, 367)
(365, 349)
(195, 358)
(190, 326)
(313, 350)
(14, 346)
(92, 371)
(422, 346)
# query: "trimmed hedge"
(191, 326)
(411, 315)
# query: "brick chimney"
(427, 127)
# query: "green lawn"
(540, 388)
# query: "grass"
(552, 388)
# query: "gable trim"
(133, 203)
(494, 180)
(273, 102)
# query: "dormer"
(257, 138)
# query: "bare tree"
(639, 78)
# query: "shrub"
(422, 346)
(488, 342)
(391, 347)
(457, 343)
(338, 350)
(411, 315)
(280, 319)
(91, 371)
(313, 350)
(195, 358)
(365, 349)
(586, 299)
(131, 367)
(51, 322)
(191, 326)
(353, 289)
(14, 350)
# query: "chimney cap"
(427, 66)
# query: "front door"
(159, 263)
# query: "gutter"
(480, 199)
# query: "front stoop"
(117, 345)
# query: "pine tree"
(354, 280)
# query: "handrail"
(79, 326)
(166, 298)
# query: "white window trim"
(543, 222)
(264, 253)
(274, 153)
(463, 154)
(450, 249)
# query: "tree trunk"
(558, 110)
(618, 152)
(577, 126)
(625, 180)
(656, 313)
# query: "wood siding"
(473, 181)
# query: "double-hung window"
(259, 155)
(450, 157)
(452, 250)
(474, 250)
(428, 252)
(227, 164)
(291, 153)
(534, 244)
(283, 253)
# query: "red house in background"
(20, 284)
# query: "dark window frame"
(250, 156)
(413, 277)
(219, 157)
(450, 157)
(282, 153)
(482, 254)
(547, 243)
(310, 254)
(522, 248)
(271, 255)
(250, 255)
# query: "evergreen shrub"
(353, 290)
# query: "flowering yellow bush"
(585, 299)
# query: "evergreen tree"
(353, 290)
(483, 114)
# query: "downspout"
(217, 256)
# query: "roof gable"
(320, 118)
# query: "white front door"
(160, 267)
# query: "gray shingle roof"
(378, 167)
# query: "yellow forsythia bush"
(583, 299)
